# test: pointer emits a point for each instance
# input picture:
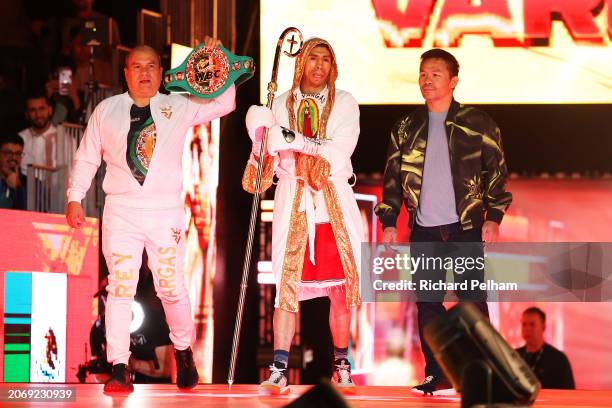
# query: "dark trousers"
(429, 303)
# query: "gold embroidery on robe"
(313, 169)
(293, 260)
(345, 249)
(249, 177)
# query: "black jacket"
(477, 164)
(15, 199)
(551, 366)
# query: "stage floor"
(246, 396)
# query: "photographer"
(63, 95)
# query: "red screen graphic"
(36, 242)
(581, 329)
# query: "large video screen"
(510, 51)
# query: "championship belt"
(207, 72)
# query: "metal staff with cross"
(272, 87)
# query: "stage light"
(478, 361)
(137, 317)
(264, 273)
(264, 266)
(265, 278)
(267, 205)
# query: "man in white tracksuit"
(317, 228)
(140, 135)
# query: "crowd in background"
(44, 78)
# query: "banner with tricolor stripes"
(35, 327)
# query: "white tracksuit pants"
(125, 232)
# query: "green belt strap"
(207, 72)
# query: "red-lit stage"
(246, 396)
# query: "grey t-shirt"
(437, 200)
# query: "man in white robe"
(317, 229)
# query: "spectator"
(549, 364)
(46, 29)
(68, 105)
(65, 107)
(79, 55)
(12, 181)
(72, 38)
(85, 11)
(40, 138)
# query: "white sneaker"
(277, 384)
(342, 377)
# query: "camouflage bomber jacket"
(477, 164)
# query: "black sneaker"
(120, 381)
(186, 371)
(277, 383)
(434, 385)
(341, 377)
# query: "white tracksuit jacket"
(150, 216)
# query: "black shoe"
(120, 381)
(434, 385)
(186, 371)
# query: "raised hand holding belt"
(207, 72)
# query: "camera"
(94, 366)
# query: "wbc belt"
(207, 72)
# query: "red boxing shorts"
(328, 268)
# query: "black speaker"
(322, 395)
(478, 361)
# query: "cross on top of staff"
(292, 41)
